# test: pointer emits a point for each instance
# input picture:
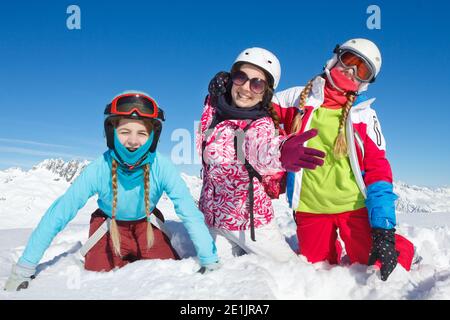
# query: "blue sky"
(55, 82)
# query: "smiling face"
(242, 96)
(132, 133)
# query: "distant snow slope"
(421, 199)
(25, 196)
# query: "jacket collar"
(317, 96)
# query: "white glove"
(19, 278)
(210, 267)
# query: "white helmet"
(363, 47)
(264, 59)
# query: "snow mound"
(26, 195)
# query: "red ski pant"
(133, 245)
(317, 238)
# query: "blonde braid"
(297, 122)
(150, 235)
(340, 145)
(273, 115)
(114, 231)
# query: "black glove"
(383, 249)
(218, 85)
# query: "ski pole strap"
(251, 170)
(252, 218)
(252, 173)
(157, 219)
(203, 151)
(96, 236)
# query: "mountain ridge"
(412, 198)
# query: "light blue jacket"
(96, 179)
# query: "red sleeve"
(377, 167)
(286, 116)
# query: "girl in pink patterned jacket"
(239, 142)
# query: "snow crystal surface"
(423, 217)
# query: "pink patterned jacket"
(223, 200)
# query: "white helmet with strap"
(264, 59)
(362, 47)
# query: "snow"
(25, 195)
(421, 199)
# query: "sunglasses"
(257, 85)
(130, 103)
(361, 67)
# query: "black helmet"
(133, 105)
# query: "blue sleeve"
(187, 211)
(380, 204)
(60, 213)
(290, 181)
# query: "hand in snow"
(383, 249)
(218, 85)
(19, 278)
(210, 267)
(294, 156)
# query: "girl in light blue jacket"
(129, 180)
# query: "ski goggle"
(362, 69)
(135, 103)
(257, 85)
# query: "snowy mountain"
(26, 195)
(421, 199)
(412, 199)
(67, 170)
